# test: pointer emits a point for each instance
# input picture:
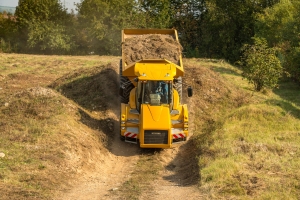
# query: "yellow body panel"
(154, 118)
(132, 99)
(150, 69)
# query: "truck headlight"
(123, 128)
(186, 129)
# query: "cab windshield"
(156, 92)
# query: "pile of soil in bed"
(151, 46)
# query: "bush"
(261, 66)
(49, 37)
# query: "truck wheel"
(120, 68)
(126, 86)
(178, 87)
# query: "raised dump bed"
(141, 44)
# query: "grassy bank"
(47, 134)
(250, 150)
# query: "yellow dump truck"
(152, 114)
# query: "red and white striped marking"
(130, 135)
(180, 135)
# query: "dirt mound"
(95, 89)
(211, 91)
(151, 46)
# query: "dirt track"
(178, 177)
(171, 183)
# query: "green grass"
(251, 151)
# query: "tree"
(187, 19)
(7, 33)
(261, 66)
(41, 26)
(228, 24)
(155, 13)
(280, 25)
(101, 23)
(49, 37)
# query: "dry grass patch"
(46, 138)
(146, 171)
(29, 127)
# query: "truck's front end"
(154, 116)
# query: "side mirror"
(190, 91)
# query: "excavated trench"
(97, 97)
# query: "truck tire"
(178, 87)
(126, 86)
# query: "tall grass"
(252, 151)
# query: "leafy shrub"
(261, 66)
(48, 37)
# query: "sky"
(13, 3)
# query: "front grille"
(156, 137)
